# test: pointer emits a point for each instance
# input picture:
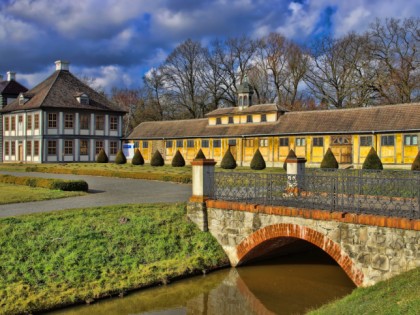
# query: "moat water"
(283, 285)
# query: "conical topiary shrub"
(329, 160)
(120, 158)
(291, 155)
(157, 159)
(102, 157)
(137, 158)
(178, 160)
(228, 161)
(257, 162)
(372, 161)
(200, 156)
(416, 163)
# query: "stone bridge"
(368, 247)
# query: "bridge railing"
(385, 193)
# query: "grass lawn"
(398, 295)
(18, 193)
(59, 258)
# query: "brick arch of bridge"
(316, 238)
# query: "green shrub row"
(50, 183)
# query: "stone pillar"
(202, 185)
(295, 173)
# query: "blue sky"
(117, 41)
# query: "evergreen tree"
(137, 158)
(120, 158)
(157, 159)
(329, 160)
(257, 162)
(102, 157)
(228, 161)
(372, 161)
(200, 156)
(416, 163)
(178, 160)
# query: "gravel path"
(103, 191)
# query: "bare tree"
(132, 102)
(396, 51)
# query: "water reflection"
(286, 285)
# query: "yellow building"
(392, 130)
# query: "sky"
(117, 41)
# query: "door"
(20, 153)
(342, 148)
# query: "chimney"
(62, 65)
(11, 76)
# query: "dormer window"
(249, 118)
(263, 118)
(83, 99)
(218, 121)
(22, 99)
(230, 120)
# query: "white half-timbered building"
(61, 120)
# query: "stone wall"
(368, 253)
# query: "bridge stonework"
(369, 248)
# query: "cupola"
(245, 92)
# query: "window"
(20, 119)
(179, 143)
(6, 124)
(52, 147)
(84, 121)
(387, 140)
(249, 143)
(204, 143)
(68, 120)
(232, 142)
(12, 148)
(365, 141)
(113, 123)
(249, 118)
(169, 144)
(190, 143)
(410, 140)
(263, 118)
(300, 142)
(218, 121)
(318, 142)
(28, 148)
(136, 144)
(52, 120)
(29, 122)
(84, 147)
(230, 120)
(36, 121)
(98, 146)
(263, 143)
(6, 148)
(145, 144)
(217, 143)
(284, 142)
(100, 122)
(13, 123)
(68, 147)
(36, 147)
(113, 147)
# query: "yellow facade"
(274, 150)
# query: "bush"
(49, 183)
(329, 160)
(372, 161)
(291, 155)
(120, 158)
(416, 163)
(73, 185)
(200, 156)
(257, 162)
(102, 157)
(157, 159)
(137, 158)
(178, 160)
(228, 161)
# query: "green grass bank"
(55, 259)
(399, 295)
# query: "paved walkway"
(103, 191)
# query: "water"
(284, 285)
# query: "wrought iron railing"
(354, 191)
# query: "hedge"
(329, 160)
(257, 162)
(120, 158)
(137, 158)
(49, 183)
(228, 161)
(178, 160)
(416, 163)
(157, 159)
(372, 161)
(102, 157)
